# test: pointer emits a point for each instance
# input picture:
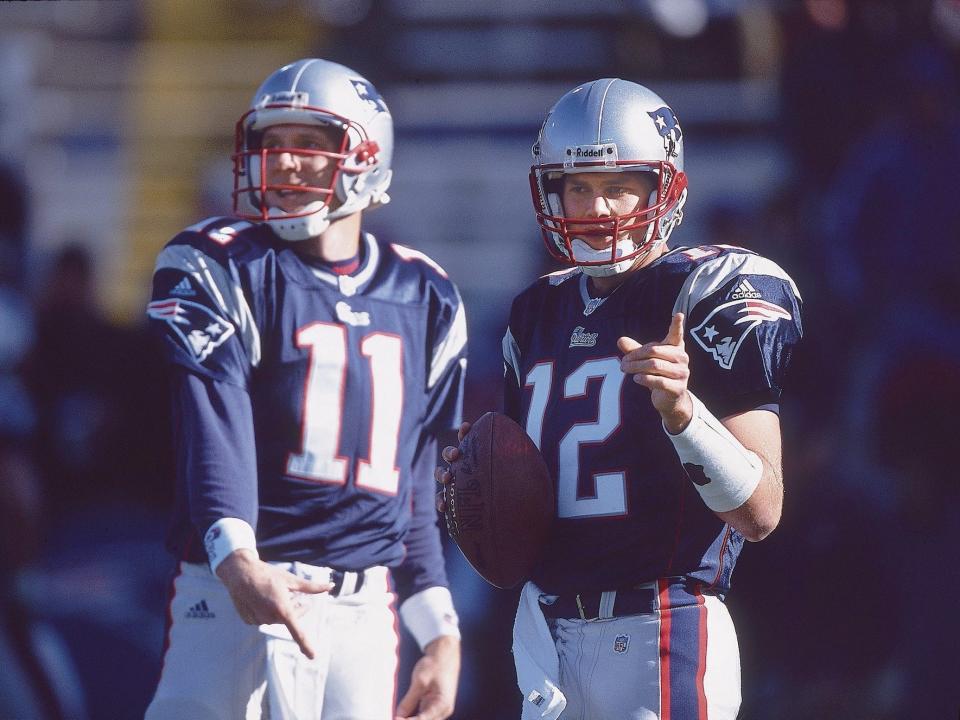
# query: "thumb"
(626, 344)
(408, 705)
(675, 333)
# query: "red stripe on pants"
(701, 656)
(663, 589)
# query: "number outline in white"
(317, 401)
(610, 493)
(380, 420)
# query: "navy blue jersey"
(307, 402)
(626, 512)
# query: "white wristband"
(430, 614)
(225, 536)
(724, 472)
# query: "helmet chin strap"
(582, 252)
(295, 229)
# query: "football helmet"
(325, 94)
(608, 125)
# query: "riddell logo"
(580, 153)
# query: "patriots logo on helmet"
(368, 94)
(669, 128)
(198, 327)
(723, 331)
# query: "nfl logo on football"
(620, 643)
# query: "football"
(500, 505)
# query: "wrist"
(429, 615)
(443, 645)
(677, 420)
(226, 536)
(236, 565)
(724, 472)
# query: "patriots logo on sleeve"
(723, 331)
(200, 329)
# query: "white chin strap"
(582, 252)
(295, 229)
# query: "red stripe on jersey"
(701, 655)
(663, 587)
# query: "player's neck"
(604, 285)
(340, 241)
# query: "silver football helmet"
(608, 125)
(321, 93)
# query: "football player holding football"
(313, 366)
(650, 379)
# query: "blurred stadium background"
(822, 133)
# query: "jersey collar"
(358, 280)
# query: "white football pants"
(678, 661)
(216, 667)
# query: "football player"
(650, 379)
(313, 366)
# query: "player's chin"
(596, 242)
(290, 203)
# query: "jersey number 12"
(610, 494)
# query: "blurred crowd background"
(824, 134)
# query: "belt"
(345, 582)
(601, 605)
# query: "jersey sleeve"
(526, 305)
(743, 320)
(423, 565)
(214, 446)
(201, 310)
(448, 363)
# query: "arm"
(427, 610)
(216, 459)
(741, 477)
(759, 432)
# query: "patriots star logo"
(723, 331)
(669, 129)
(199, 329)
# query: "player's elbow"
(755, 521)
(758, 525)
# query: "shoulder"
(417, 272)
(545, 286)
(221, 240)
(708, 268)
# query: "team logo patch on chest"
(723, 331)
(199, 328)
(347, 315)
(581, 338)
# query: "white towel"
(535, 655)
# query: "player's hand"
(264, 594)
(444, 475)
(433, 683)
(664, 367)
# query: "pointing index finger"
(675, 333)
